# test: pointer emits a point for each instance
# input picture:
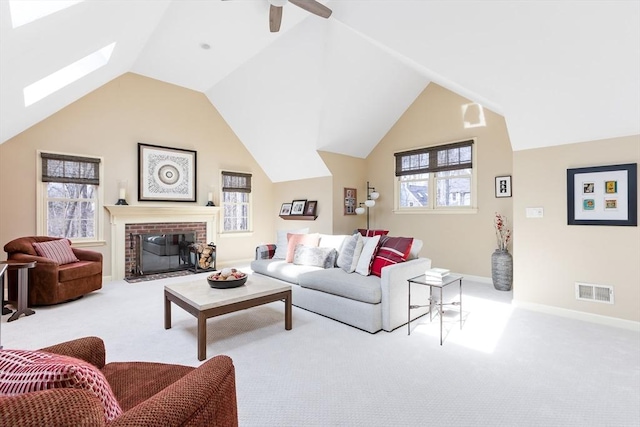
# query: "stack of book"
(435, 275)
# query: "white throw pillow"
(350, 252)
(366, 256)
(282, 242)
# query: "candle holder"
(122, 193)
(210, 197)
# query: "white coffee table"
(204, 302)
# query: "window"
(434, 178)
(71, 197)
(236, 199)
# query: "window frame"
(42, 200)
(432, 179)
(248, 190)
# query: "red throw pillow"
(23, 371)
(300, 239)
(392, 250)
(57, 250)
(371, 233)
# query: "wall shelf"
(299, 217)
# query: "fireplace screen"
(159, 253)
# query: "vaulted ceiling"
(558, 71)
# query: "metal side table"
(446, 281)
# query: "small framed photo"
(285, 209)
(503, 186)
(297, 207)
(350, 198)
(310, 208)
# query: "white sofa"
(370, 303)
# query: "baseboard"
(579, 315)
(477, 279)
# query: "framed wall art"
(285, 209)
(166, 174)
(297, 207)
(503, 186)
(603, 195)
(311, 207)
(350, 199)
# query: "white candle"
(210, 197)
(122, 193)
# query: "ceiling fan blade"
(275, 18)
(313, 6)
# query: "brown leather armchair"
(50, 282)
(150, 394)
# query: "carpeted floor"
(506, 367)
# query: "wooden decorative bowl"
(216, 281)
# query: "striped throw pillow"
(392, 250)
(24, 371)
(57, 250)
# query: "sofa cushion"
(281, 241)
(281, 269)
(56, 250)
(367, 255)
(350, 252)
(416, 247)
(370, 233)
(392, 250)
(317, 257)
(23, 371)
(303, 239)
(334, 241)
(338, 282)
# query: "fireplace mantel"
(120, 215)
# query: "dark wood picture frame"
(297, 207)
(285, 209)
(350, 201)
(310, 207)
(166, 174)
(612, 199)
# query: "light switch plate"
(535, 212)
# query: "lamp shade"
(370, 203)
(359, 210)
(374, 195)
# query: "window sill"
(441, 211)
(87, 243)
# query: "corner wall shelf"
(299, 217)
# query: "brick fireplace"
(127, 219)
(131, 231)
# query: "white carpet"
(506, 367)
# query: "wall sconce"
(372, 196)
(122, 192)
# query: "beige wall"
(109, 122)
(550, 256)
(306, 189)
(347, 172)
(461, 242)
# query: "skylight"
(67, 75)
(23, 12)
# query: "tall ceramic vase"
(502, 269)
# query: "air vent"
(594, 293)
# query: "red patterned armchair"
(149, 394)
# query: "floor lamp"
(372, 196)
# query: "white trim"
(579, 315)
(120, 215)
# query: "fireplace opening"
(162, 252)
